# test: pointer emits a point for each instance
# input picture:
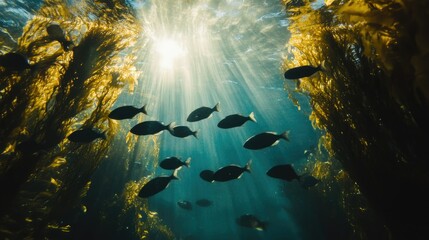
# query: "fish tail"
(321, 66)
(174, 175)
(285, 135)
(171, 126)
(248, 166)
(143, 109)
(216, 107)
(195, 134)
(252, 117)
(188, 162)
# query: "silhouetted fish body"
(156, 185)
(202, 113)
(250, 221)
(284, 171)
(55, 32)
(183, 131)
(204, 202)
(308, 181)
(185, 204)
(126, 112)
(264, 140)
(171, 163)
(300, 72)
(150, 128)
(235, 120)
(207, 175)
(85, 135)
(14, 62)
(231, 172)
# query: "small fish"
(183, 131)
(302, 71)
(235, 120)
(204, 202)
(56, 33)
(14, 62)
(207, 175)
(126, 112)
(264, 140)
(250, 221)
(85, 135)
(202, 113)
(308, 181)
(231, 172)
(151, 127)
(157, 184)
(185, 204)
(284, 171)
(171, 163)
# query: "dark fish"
(285, 172)
(55, 32)
(250, 221)
(183, 131)
(207, 175)
(231, 172)
(308, 181)
(14, 62)
(204, 202)
(185, 204)
(171, 163)
(264, 140)
(202, 113)
(85, 135)
(300, 72)
(235, 120)
(126, 112)
(150, 127)
(157, 184)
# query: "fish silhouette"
(171, 163)
(202, 113)
(183, 131)
(264, 140)
(231, 172)
(85, 135)
(284, 171)
(235, 120)
(126, 112)
(300, 72)
(157, 184)
(150, 128)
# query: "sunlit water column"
(199, 53)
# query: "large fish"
(183, 131)
(231, 172)
(300, 72)
(150, 128)
(56, 33)
(85, 135)
(266, 139)
(250, 221)
(235, 120)
(14, 62)
(207, 175)
(284, 172)
(157, 184)
(202, 113)
(126, 112)
(171, 163)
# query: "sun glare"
(169, 52)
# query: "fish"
(308, 181)
(151, 128)
(85, 135)
(157, 184)
(284, 172)
(207, 175)
(251, 221)
(171, 163)
(56, 33)
(202, 113)
(126, 112)
(231, 172)
(14, 62)
(265, 139)
(185, 204)
(302, 71)
(235, 120)
(183, 131)
(204, 202)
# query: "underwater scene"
(214, 119)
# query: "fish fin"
(195, 134)
(252, 117)
(188, 162)
(174, 175)
(285, 135)
(216, 107)
(248, 166)
(143, 109)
